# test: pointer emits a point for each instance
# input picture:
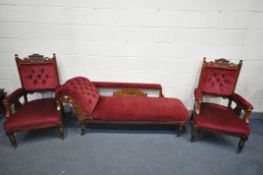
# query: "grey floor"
(130, 150)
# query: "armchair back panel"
(219, 77)
(38, 73)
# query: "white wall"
(161, 41)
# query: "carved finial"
(223, 62)
(35, 58)
(16, 57)
(240, 62)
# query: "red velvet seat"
(143, 109)
(37, 74)
(219, 118)
(218, 79)
(90, 107)
(36, 113)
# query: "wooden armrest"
(15, 95)
(198, 101)
(13, 98)
(242, 104)
(198, 95)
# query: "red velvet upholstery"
(35, 114)
(136, 108)
(121, 108)
(37, 74)
(82, 91)
(219, 78)
(218, 81)
(38, 77)
(219, 118)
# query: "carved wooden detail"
(80, 114)
(35, 58)
(129, 92)
(223, 63)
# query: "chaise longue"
(128, 106)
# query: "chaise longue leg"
(181, 129)
(241, 144)
(193, 134)
(12, 139)
(61, 132)
(82, 128)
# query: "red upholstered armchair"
(218, 79)
(37, 74)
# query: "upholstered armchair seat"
(136, 108)
(218, 118)
(36, 113)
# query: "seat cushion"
(136, 108)
(35, 113)
(219, 118)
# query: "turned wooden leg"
(193, 134)
(82, 128)
(180, 130)
(61, 132)
(241, 144)
(12, 139)
(62, 110)
(192, 114)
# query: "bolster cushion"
(82, 91)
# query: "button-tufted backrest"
(219, 77)
(82, 91)
(38, 72)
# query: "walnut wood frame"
(85, 118)
(221, 63)
(31, 59)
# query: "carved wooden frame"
(224, 64)
(31, 59)
(129, 92)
